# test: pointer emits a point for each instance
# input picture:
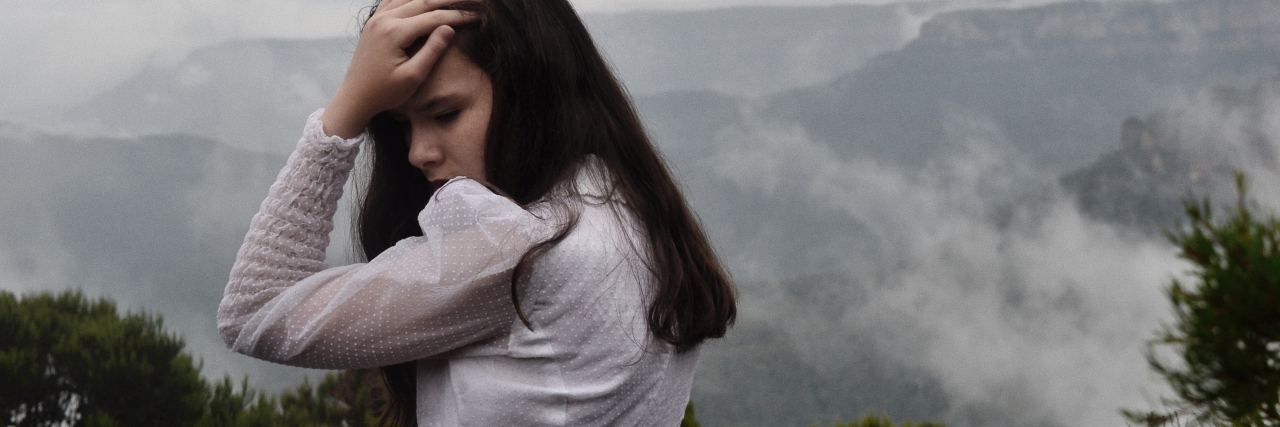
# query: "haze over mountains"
(960, 226)
(251, 93)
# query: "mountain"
(787, 363)
(1036, 92)
(758, 231)
(153, 222)
(748, 50)
(1051, 78)
(252, 94)
(255, 94)
(1174, 153)
(821, 348)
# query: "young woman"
(530, 259)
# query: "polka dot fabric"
(444, 301)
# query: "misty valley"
(932, 212)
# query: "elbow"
(230, 325)
(230, 332)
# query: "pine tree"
(247, 407)
(67, 360)
(1227, 321)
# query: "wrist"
(342, 119)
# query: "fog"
(60, 54)
(1039, 319)
(1047, 314)
(962, 226)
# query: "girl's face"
(447, 120)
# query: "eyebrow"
(435, 101)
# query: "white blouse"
(444, 300)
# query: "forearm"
(345, 116)
(423, 296)
(287, 238)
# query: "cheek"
(477, 130)
(473, 146)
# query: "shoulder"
(461, 189)
(464, 201)
(602, 230)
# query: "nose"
(424, 154)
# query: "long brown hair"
(555, 104)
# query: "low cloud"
(60, 54)
(1041, 317)
(625, 5)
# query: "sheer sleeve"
(424, 296)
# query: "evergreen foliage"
(348, 398)
(244, 408)
(882, 421)
(67, 360)
(345, 399)
(1227, 327)
(689, 419)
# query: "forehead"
(453, 75)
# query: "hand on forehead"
(454, 75)
(407, 8)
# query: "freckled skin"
(448, 119)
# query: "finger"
(436, 44)
(381, 7)
(413, 28)
(418, 7)
(386, 6)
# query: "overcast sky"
(57, 54)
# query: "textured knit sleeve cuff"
(314, 134)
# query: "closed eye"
(447, 116)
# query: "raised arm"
(388, 64)
(424, 296)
